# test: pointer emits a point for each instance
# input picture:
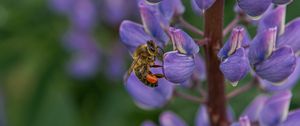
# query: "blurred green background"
(36, 90)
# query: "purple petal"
(282, 1)
(205, 4)
(169, 118)
(83, 14)
(178, 67)
(279, 66)
(289, 83)
(195, 8)
(291, 35)
(183, 42)
(133, 35)
(148, 97)
(202, 118)
(148, 123)
(239, 38)
(275, 109)
(292, 119)
(151, 23)
(254, 108)
(236, 66)
(262, 46)
(170, 8)
(275, 18)
(254, 7)
(179, 8)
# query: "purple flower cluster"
(272, 58)
(85, 51)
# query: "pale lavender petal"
(291, 35)
(255, 107)
(133, 35)
(293, 119)
(169, 118)
(290, 82)
(275, 109)
(148, 123)
(275, 18)
(254, 7)
(183, 42)
(151, 23)
(83, 14)
(205, 4)
(278, 66)
(262, 46)
(178, 67)
(202, 118)
(236, 66)
(239, 38)
(282, 1)
(148, 97)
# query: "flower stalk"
(216, 103)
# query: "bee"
(143, 59)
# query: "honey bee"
(143, 59)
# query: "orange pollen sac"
(151, 78)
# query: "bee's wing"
(133, 65)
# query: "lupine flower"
(182, 59)
(272, 111)
(271, 63)
(256, 8)
(132, 35)
(290, 36)
(235, 64)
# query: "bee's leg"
(156, 66)
(159, 75)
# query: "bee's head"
(152, 47)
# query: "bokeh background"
(40, 87)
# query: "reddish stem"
(216, 103)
